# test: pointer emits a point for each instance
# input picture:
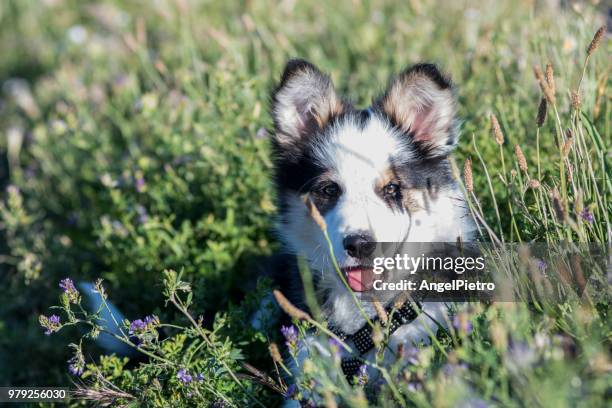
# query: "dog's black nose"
(360, 245)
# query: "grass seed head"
(497, 132)
(534, 184)
(548, 93)
(520, 158)
(275, 353)
(377, 335)
(576, 100)
(380, 311)
(400, 300)
(542, 109)
(289, 308)
(558, 206)
(467, 175)
(596, 40)
(550, 78)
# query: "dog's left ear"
(421, 102)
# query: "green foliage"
(134, 142)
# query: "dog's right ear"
(303, 102)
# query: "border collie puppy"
(381, 174)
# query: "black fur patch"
(294, 66)
(431, 71)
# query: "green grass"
(134, 141)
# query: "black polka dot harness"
(362, 338)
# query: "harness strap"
(362, 338)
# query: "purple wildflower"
(75, 369)
(137, 326)
(51, 323)
(541, 265)
(290, 392)
(184, 376)
(76, 365)
(140, 326)
(67, 284)
(587, 215)
(200, 377)
(291, 336)
(362, 375)
(70, 290)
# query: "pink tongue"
(360, 279)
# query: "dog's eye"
(331, 190)
(391, 190)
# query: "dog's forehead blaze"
(355, 149)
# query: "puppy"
(380, 174)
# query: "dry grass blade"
(314, 213)
(103, 396)
(260, 381)
(260, 377)
(567, 146)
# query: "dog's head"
(375, 175)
